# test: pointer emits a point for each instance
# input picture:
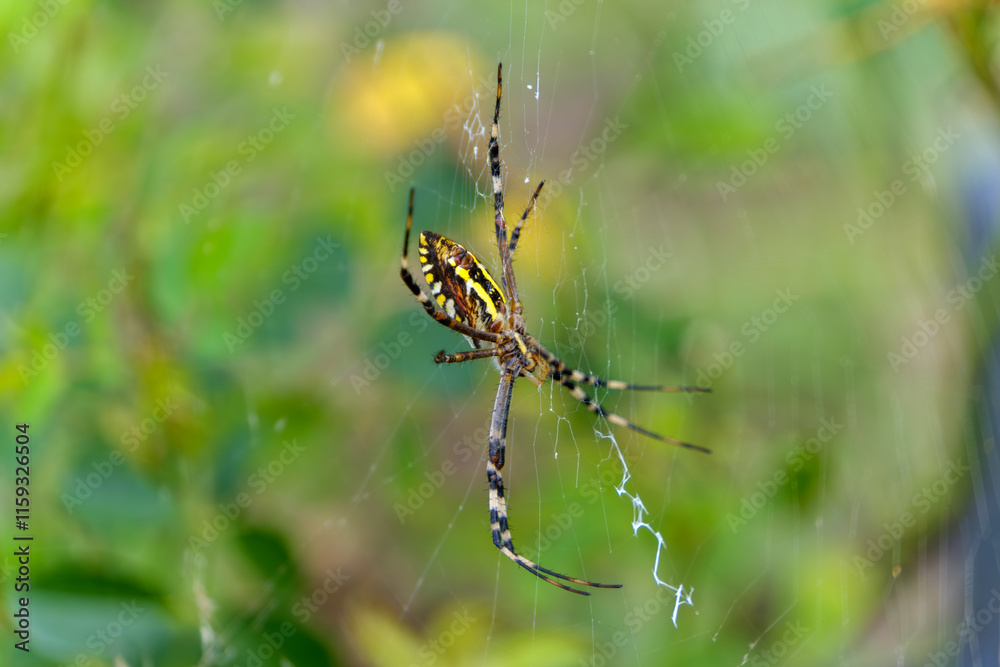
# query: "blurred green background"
(241, 449)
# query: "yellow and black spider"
(472, 304)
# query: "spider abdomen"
(461, 284)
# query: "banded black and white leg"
(503, 244)
(516, 234)
(497, 181)
(439, 315)
(499, 524)
(571, 379)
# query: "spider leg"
(516, 234)
(618, 385)
(503, 244)
(560, 371)
(580, 395)
(439, 315)
(472, 355)
(494, 158)
(499, 524)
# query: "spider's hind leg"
(618, 385)
(500, 528)
(561, 371)
(499, 524)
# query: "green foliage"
(242, 452)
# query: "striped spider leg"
(469, 301)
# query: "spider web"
(567, 271)
(464, 213)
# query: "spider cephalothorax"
(471, 302)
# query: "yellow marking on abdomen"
(484, 296)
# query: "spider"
(470, 302)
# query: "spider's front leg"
(457, 358)
(499, 525)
